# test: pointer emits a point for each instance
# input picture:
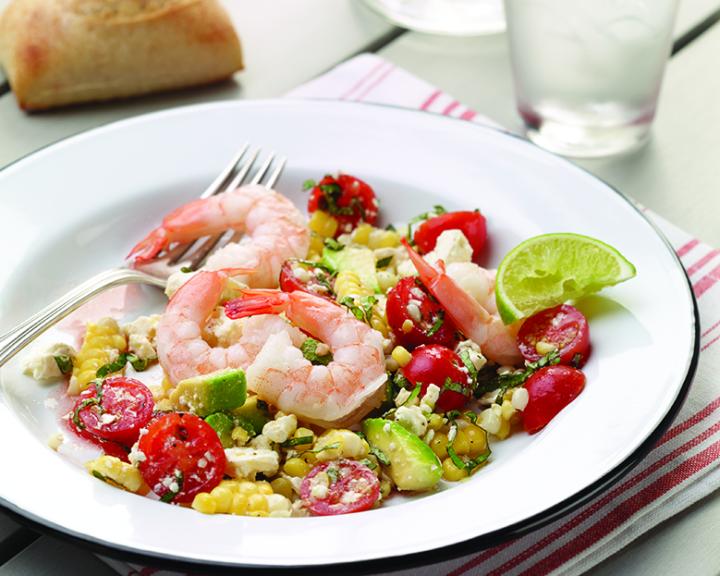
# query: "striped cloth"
(682, 467)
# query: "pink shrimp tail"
(254, 302)
(425, 270)
(145, 250)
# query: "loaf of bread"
(58, 52)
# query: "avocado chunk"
(216, 392)
(359, 259)
(252, 415)
(413, 465)
(223, 425)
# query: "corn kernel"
(231, 485)
(477, 437)
(435, 422)
(407, 325)
(282, 486)
(383, 239)
(350, 445)
(309, 457)
(316, 246)
(439, 445)
(362, 234)
(504, 430)
(247, 487)
(240, 436)
(489, 421)
(323, 224)
(296, 467)
(520, 398)
(304, 433)
(461, 444)
(451, 472)
(239, 504)
(386, 487)
(223, 499)
(543, 347)
(508, 410)
(258, 503)
(204, 503)
(116, 471)
(258, 514)
(264, 487)
(401, 356)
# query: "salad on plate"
(320, 366)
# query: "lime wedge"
(550, 269)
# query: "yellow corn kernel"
(347, 284)
(407, 325)
(451, 472)
(508, 410)
(401, 356)
(544, 348)
(264, 487)
(258, 513)
(239, 504)
(323, 224)
(309, 457)
(113, 470)
(296, 467)
(435, 422)
(282, 486)
(304, 433)
(383, 239)
(204, 503)
(461, 444)
(103, 342)
(374, 462)
(379, 323)
(387, 280)
(386, 486)
(258, 503)
(231, 485)
(439, 445)
(349, 445)
(223, 499)
(504, 431)
(361, 235)
(317, 244)
(240, 436)
(477, 437)
(247, 487)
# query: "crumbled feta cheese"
(55, 441)
(413, 310)
(141, 336)
(261, 442)
(451, 246)
(42, 365)
(319, 485)
(280, 429)
(247, 462)
(412, 418)
(136, 455)
(107, 418)
(402, 396)
(226, 331)
(473, 353)
(432, 393)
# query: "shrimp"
(479, 324)
(182, 350)
(274, 228)
(338, 394)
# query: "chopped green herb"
(299, 441)
(576, 360)
(94, 401)
(64, 363)
(414, 394)
(470, 415)
(334, 245)
(390, 228)
(452, 415)
(333, 473)
(309, 350)
(472, 371)
(137, 363)
(459, 462)
(437, 324)
(360, 307)
(309, 184)
(455, 387)
(186, 269)
(170, 494)
(369, 463)
(332, 446)
(380, 455)
(383, 262)
(99, 476)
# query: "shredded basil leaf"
(334, 245)
(437, 324)
(369, 463)
(99, 476)
(186, 269)
(170, 494)
(459, 462)
(309, 350)
(380, 455)
(300, 440)
(309, 184)
(361, 307)
(470, 415)
(449, 384)
(414, 394)
(383, 262)
(390, 228)
(465, 357)
(317, 450)
(333, 473)
(452, 415)
(111, 367)
(64, 363)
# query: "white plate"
(77, 207)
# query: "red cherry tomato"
(550, 390)
(564, 327)
(350, 200)
(346, 486)
(471, 224)
(114, 410)
(108, 447)
(438, 365)
(183, 456)
(434, 325)
(298, 274)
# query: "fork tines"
(235, 174)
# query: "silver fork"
(192, 255)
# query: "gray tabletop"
(288, 42)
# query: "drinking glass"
(588, 72)
(450, 17)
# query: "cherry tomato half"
(550, 390)
(471, 224)
(183, 456)
(350, 200)
(296, 274)
(339, 487)
(410, 301)
(438, 365)
(114, 410)
(564, 327)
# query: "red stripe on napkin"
(704, 260)
(706, 282)
(434, 96)
(685, 248)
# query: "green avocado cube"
(220, 391)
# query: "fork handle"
(20, 336)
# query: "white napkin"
(681, 468)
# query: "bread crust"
(58, 52)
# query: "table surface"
(673, 175)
